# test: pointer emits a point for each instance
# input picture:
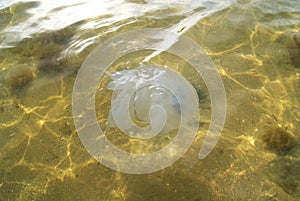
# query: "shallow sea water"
(255, 45)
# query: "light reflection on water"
(50, 15)
(256, 46)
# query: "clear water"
(256, 47)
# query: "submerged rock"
(279, 140)
(292, 43)
(296, 58)
(296, 37)
(19, 75)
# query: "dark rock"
(19, 75)
(292, 42)
(279, 140)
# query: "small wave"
(48, 15)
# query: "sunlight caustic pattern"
(42, 158)
(97, 64)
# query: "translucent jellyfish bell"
(159, 96)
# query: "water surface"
(256, 47)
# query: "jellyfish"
(156, 95)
